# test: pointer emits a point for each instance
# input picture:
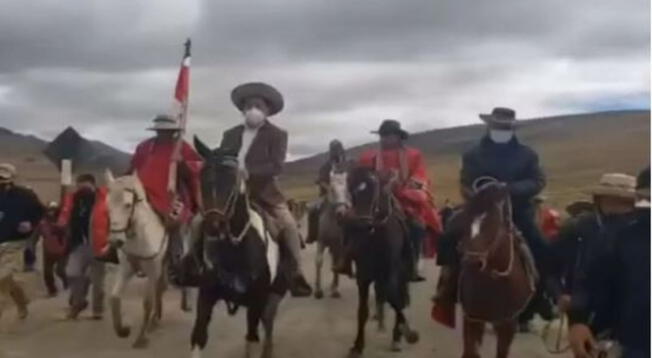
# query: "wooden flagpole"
(176, 153)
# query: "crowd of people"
(594, 265)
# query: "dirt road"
(305, 328)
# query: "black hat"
(391, 126)
(500, 117)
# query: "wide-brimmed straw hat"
(391, 126)
(165, 122)
(7, 171)
(269, 94)
(615, 185)
(500, 117)
(643, 189)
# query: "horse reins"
(229, 209)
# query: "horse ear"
(108, 176)
(202, 148)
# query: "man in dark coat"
(617, 288)
(336, 157)
(261, 149)
(583, 237)
(500, 155)
(20, 212)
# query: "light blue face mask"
(501, 136)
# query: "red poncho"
(417, 203)
(549, 222)
(151, 162)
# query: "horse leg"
(505, 332)
(363, 315)
(125, 272)
(254, 313)
(269, 315)
(380, 305)
(335, 293)
(319, 261)
(161, 286)
(205, 303)
(402, 329)
(152, 271)
(472, 335)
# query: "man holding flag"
(168, 166)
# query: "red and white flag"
(182, 90)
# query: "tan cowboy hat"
(7, 171)
(165, 122)
(500, 117)
(616, 185)
(268, 93)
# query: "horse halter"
(506, 211)
(130, 219)
(229, 207)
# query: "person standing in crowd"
(616, 291)
(54, 249)
(85, 216)
(20, 212)
(583, 237)
(501, 156)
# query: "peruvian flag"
(182, 90)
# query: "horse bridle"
(374, 207)
(129, 224)
(226, 214)
(483, 255)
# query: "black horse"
(376, 236)
(230, 254)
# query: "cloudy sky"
(107, 66)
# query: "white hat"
(165, 122)
(7, 171)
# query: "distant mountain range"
(574, 151)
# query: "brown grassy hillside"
(574, 150)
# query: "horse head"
(124, 194)
(338, 195)
(488, 224)
(370, 195)
(222, 183)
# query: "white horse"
(142, 240)
(330, 234)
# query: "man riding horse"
(405, 167)
(502, 156)
(151, 162)
(261, 147)
(336, 158)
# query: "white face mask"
(501, 135)
(254, 117)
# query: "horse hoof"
(412, 337)
(319, 295)
(123, 332)
(141, 343)
(336, 294)
(395, 347)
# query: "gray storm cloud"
(107, 67)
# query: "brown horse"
(497, 276)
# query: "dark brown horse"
(497, 278)
(376, 234)
(235, 254)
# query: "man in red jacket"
(406, 165)
(151, 162)
(85, 216)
